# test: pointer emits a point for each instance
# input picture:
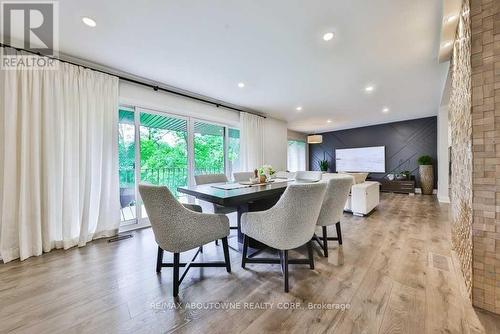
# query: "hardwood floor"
(394, 274)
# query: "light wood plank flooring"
(394, 271)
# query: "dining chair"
(242, 176)
(210, 178)
(289, 224)
(332, 209)
(208, 207)
(308, 176)
(178, 228)
(212, 207)
(284, 175)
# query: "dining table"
(242, 197)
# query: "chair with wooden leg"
(289, 224)
(212, 207)
(332, 208)
(178, 228)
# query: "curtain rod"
(135, 81)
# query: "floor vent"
(120, 237)
(440, 262)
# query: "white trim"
(132, 227)
(443, 199)
(137, 165)
(190, 154)
(226, 145)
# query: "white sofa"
(364, 196)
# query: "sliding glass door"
(126, 171)
(208, 148)
(163, 149)
(233, 151)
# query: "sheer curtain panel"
(58, 159)
(296, 156)
(251, 142)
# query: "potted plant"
(406, 174)
(265, 172)
(426, 174)
(323, 165)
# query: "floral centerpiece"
(267, 171)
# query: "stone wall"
(485, 61)
(460, 121)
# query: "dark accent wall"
(404, 142)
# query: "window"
(233, 151)
(208, 148)
(126, 160)
(162, 149)
(296, 155)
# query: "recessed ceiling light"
(328, 120)
(328, 36)
(385, 110)
(88, 21)
(369, 89)
(298, 108)
(447, 44)
(241, 84)
(450, 18)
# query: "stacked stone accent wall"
(485, 61)
(461, 147)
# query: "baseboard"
(132, 227)
(419, 191)
(443, 199)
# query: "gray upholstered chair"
(242, 176)
(284, 175)
(178, 228)
(308, 176)
(210, 178)
(211, 207)
(332, 208)
(287, 225)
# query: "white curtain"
(251, 142)
(58, 159)
(296, 156)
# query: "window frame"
(139, 221)
(305, 151)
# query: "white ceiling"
(276, 48)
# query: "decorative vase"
(426, 179)
(262, 179)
